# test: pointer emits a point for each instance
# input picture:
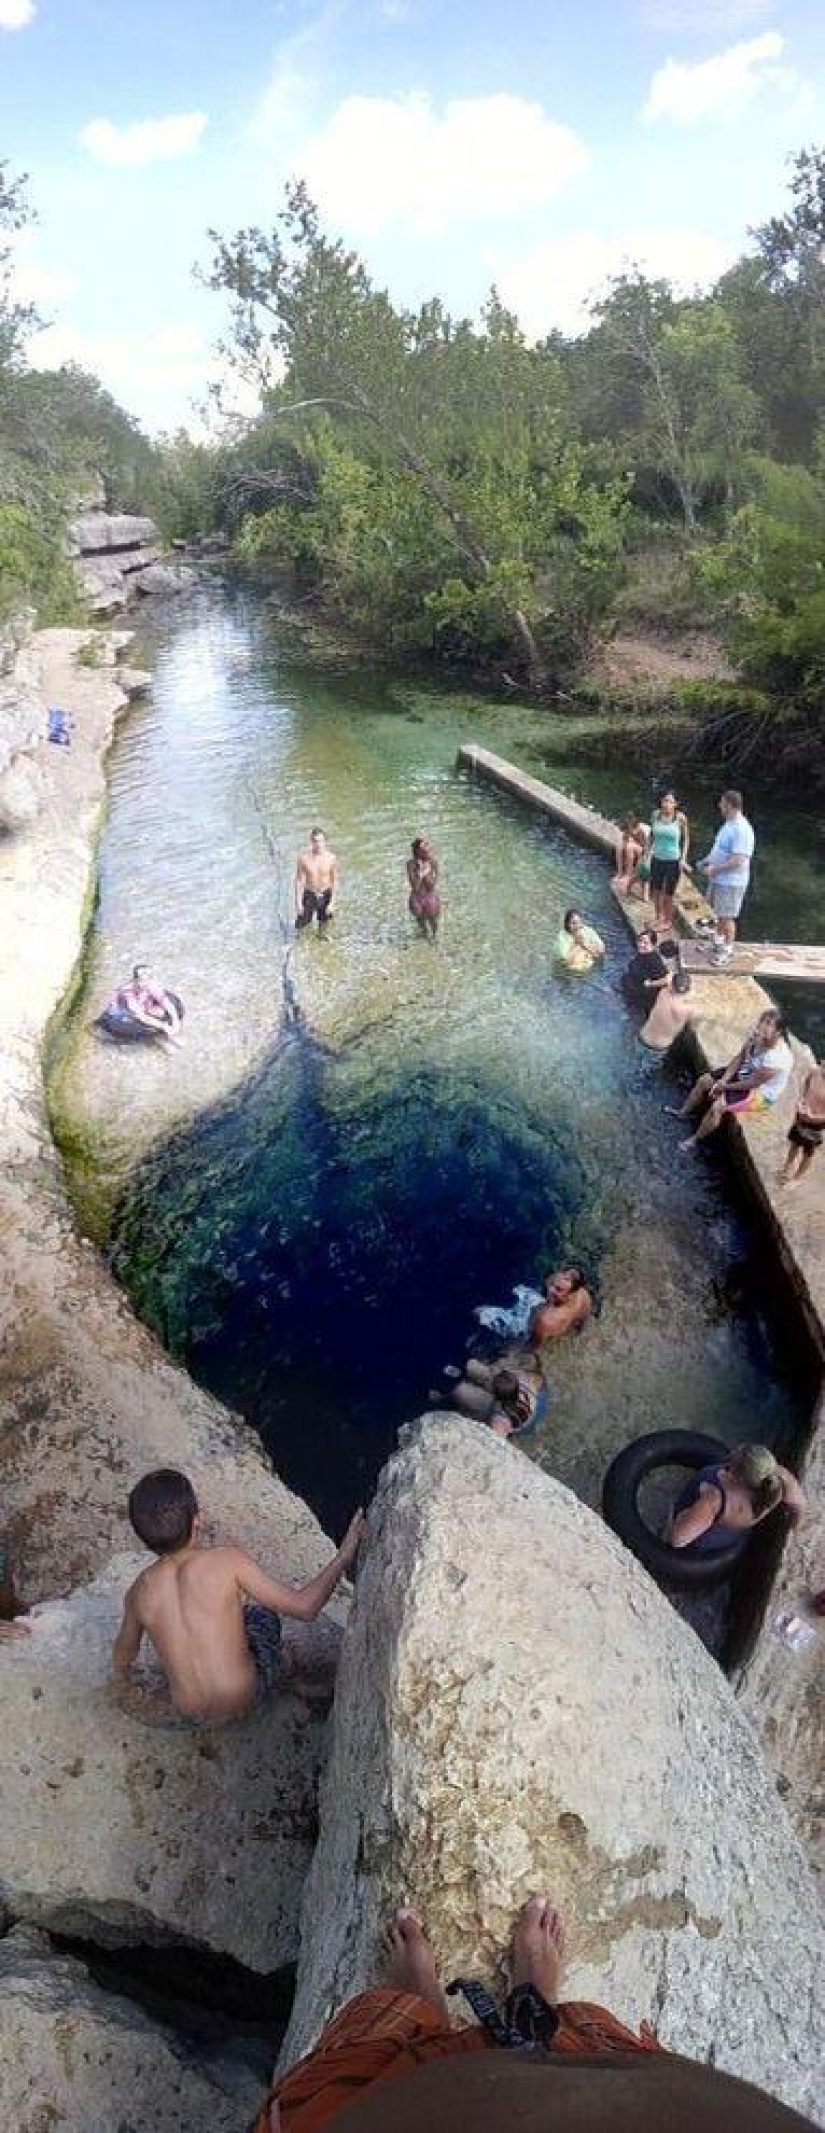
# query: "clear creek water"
(309, 1219)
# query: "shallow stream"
(310, 1215)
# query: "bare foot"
(685, 1145)
(410, 1962)
(538, 1948)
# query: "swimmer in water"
(422, 875)
(316, 882)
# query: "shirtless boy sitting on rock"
(220, 1654)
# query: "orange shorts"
(383, 2034)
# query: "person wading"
(316, 882)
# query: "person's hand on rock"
(353, 1538)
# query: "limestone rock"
(119, 1831)
(135, 681)
(22, 710)
(88, 1399)
(97, 532)
(783, 1690)
(164, 578)
(103, 587)
(21, 794)
(83, 2060)
(518, 1708)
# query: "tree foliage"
(57, 430)
(439, 491)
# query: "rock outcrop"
(80, 2059)
(122, 1832)
(518, 1708)
(118, 556)
(87, 1401)
(22, 725)
(784, 1690)
(87, 1397)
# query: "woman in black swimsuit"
(724, 1502)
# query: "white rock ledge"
(518, 1708)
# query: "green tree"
(775, 299)
(675, 377)
(434, 459)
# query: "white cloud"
(147, 141)
(719, 86)
(154, 375)
(16, 14)
(555, 284)
(397, 162)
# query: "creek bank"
(77, 2057)
(119, 556)
(104, 1835)
(553, 1727)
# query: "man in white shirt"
(728, 868)
(753, 1082)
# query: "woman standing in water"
(670, 842)
(422, 875)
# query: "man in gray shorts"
(728, 868)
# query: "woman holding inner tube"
(724, 1501)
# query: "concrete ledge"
(583, 822)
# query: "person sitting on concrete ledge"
(391, 2062)
(749, 1086)
(631, 854)
(671, 1012)
(569, 1303)
(578, 946)
(808, 1130)
(211, 1613)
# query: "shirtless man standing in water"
(316, 882)
(220, 1654)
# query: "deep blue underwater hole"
(315, 1263)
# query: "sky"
(534, 143)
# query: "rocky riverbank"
(550, 1721)
(104, 1830)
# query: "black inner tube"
(620, 1490)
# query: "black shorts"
(803, 1136)
(314, 905)
(664, 875)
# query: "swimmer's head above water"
(558, 1287)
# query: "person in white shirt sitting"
(752, 1083)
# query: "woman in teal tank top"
(670, 839)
